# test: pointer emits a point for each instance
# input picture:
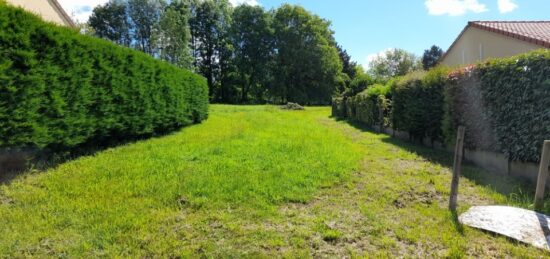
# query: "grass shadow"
(39, 161)
(517, 190)
(458, 226)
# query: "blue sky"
(366, 27)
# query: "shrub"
(369, 102)
(338, 107)
(464, 106)
(517, 93)
(60, 89)
(418, 103)
(357, 85)
(504, 104)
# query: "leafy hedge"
(418, 103)
(516, 92)
(59, 89)
(504, 104)
(464, 105)
(365, 106)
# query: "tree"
(110, 22)
(209, 24)
(394, 62)
(145, 15)
(172, 35)
(307, 65)
(431, 57)
(251, 37)
(357, 85)
(349, 67)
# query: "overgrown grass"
(254, 182)
(245, 158)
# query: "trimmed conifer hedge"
(60, 89)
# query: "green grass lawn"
(254, 181)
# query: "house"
(49, 10)
(492, 39)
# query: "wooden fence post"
(381, 118)
(457, 167)
(543, 174)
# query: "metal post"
(543, 174)
(457, 167)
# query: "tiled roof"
(536, 32)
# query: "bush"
(464, 106)
(338, 107)
(517, 93)
(359, 84)
(514, 97)
(368, 104)
(418, 103)
(60, 89)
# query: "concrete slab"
(520, 224)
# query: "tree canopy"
(247, 54)
(431, 57)
(394, 62)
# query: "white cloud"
(454, 7)
(506, 6)
(240, 2)
(373, 56)
(80, 10)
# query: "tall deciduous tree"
(172, 36)
(145, 16)
(431, 57)
(394, 62)
(251, 37)
(110, 21)
(209, 25)
(307, 64)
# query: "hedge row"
(504, 104)
(418, 104)
(60, 89)
(413, 103)
(515, 97)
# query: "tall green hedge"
(516, 92)
(504, 104)
(59, 89)
(418, 103)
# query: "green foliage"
(244, 162)
(307, 65)
(366, 106)
(504, 103)
(359, 84)
(516, 92)
(110, 21)
(255, 181)
(348, 66)
(251, 36)
(172, 35)
(418, 103)
(393, 63)
(145, 16)
(209, 23)
(60, 89)
(246, 54)
(431, 57)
